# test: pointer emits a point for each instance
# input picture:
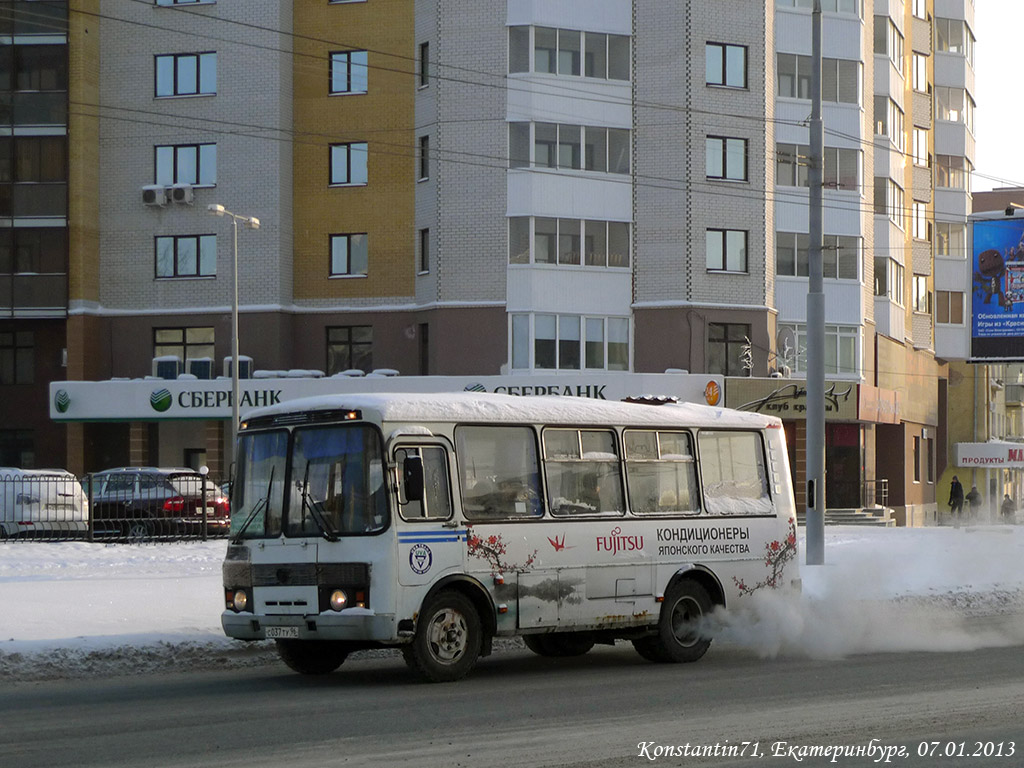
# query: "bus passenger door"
(431, 542)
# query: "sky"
(999, 116)
(76, 609)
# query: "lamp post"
(252, 223)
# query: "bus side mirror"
(412, 478)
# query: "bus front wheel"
(448, 639)
(679, 637)
(312, 657)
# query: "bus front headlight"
(339, 600)
(240, 600)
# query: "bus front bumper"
(359, 624)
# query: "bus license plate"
(282, 632)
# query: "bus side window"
(498, 472)
(582, 469)
(733, 473)
(660, 473)
(437, 500)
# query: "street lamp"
(252, 223)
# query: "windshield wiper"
(257, 508)
(314, 510)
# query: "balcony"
(34, 200)
(33, 295)
(44, 17)
(34, 108)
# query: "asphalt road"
(517, 709)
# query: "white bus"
(437, 522)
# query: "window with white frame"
(840, 255)
(841, 345)
(919, 72)
(827, 6)
(955, 105)
(840, 78)
(889, 121)
(919, 221)
(577, 242)
(349, 255)
(842, 167)
(889, 200)
(889, 41)
(186, 256)
(953, 172)
(889, 279)
(725, 65)
(568, 52)
(954, 36)
(726, 250)
(194, 164)
(920, 296)
(919, 8)
(348, 164)
(349, 72)
(569, 147)
(726, 158)
(920, 147)
(186, 74)
(569, 342)
(949, 307)
(951, 239)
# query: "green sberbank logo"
(160, 400)
(61, 401)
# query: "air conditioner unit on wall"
(200, 367)
(167, 367)
(244, 367)
(181, 193)
(154, 194)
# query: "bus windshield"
(336, 482)
(257, 496)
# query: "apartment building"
(506, 187)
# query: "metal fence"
(113, 506)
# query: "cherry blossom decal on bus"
(777, 555)
(493, 549)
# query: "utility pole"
(815, 516)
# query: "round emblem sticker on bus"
(420, 558)
(712, 393)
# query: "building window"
(889, 40)
(35, 159)
(349, 72)
(424, 65)
(39, 251)
(953, 172)
(842, 167)
(921, 297)
(185, 343)
(726, 158)
(186, 74)
(919, 221)
(34, 67)
(919, 72)
(827, 6)
(569, 52)
(841, 343)
(553, 145)
(840, 255)
(920, 9)
(951, 239)
(17, 357)
(348, 164)
(917, 458)
(568, 242)
(424, 251)
(17, 448)
(725, 65)
(929, 458)
(570, 342)
(727, 345)
(186, 256)
(349, 255)
(186, 164)
(349, 347)
(424, 158)
(840, 78)
(954, 36)
(183, 2)
(955, 105)
(949, 307)
(889, 279)
(889, 200)
(890, 121)
(726, 250)
(920, 147)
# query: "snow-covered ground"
(73, 609)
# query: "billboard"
(997, 295)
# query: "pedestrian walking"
(974, 499)
(956, 497)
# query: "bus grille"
(309, 574)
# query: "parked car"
(143, 502)
(46, 503)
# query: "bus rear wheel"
(312, 657)
(679, 638)
(448, 639)
(559, 644)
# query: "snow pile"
(75, 609)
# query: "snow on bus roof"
(492, 407)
